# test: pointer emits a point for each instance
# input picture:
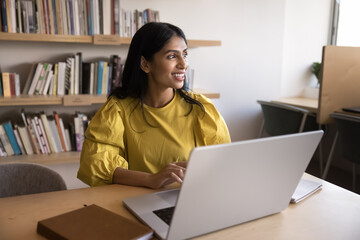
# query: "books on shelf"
(39, 133)
(9, 84)
(73, 76)
(73, 17)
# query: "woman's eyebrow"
(175, 51)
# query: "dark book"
(92, 222)
(1, 88)
(101, 17)
(4, 16)
(115, 59)
(86, 74)
(72, 136)
(80, 73)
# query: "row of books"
(74, 76)
(72, 17)
(9, 84)
(42, 134)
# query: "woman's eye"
(172, 56)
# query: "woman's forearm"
(130, 177)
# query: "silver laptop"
(229, 184)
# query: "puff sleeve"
(210, 126)
(103, 148)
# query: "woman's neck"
(159, 99)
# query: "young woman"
(143, 134)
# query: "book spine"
(31, 132)
(4, 17)
(39, 136)
(18, 140)
(1, 87)
(45, 126)
(12, 84)
(61, 133)
(10, 133)
(6, 84)
(5, 141)
(25, 138)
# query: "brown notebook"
(92, 222)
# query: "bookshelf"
(63, 104)
(95, 40)
(70, 100)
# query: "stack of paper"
(304, 189)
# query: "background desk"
(332, 213)
(310, 104)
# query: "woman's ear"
(144, 65)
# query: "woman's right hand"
(171, 173)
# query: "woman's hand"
(173, 172)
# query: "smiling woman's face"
(167, 70)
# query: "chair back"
(348, 127)
(28, 178)
(281, 119)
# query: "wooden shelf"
(70, 100)
(45, 159)
(27, 37)
(96, 39)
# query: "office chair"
(348, 136)
(28, 178)
(281, 119)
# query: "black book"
(86, 73)
(80, 74)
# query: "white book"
(96, 17)
(44, 137)
(76, 17)
(17, 84)
(41, 80)
(61, 78)
(63, 17)
(72, 75)
(38, 135)
(12, 16)
(35, 79)
(48, 132)
(106, 14)
(25, 138)
(76, 74)
(55, 134)
(67, 139)
(49, 76)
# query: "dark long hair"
(147, 41)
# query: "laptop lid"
(229, 184)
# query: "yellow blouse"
(118, 136)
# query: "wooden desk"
(332, 213)
(310, 104)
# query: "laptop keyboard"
(165, 214)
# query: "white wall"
(265, 51)
(307, 26)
